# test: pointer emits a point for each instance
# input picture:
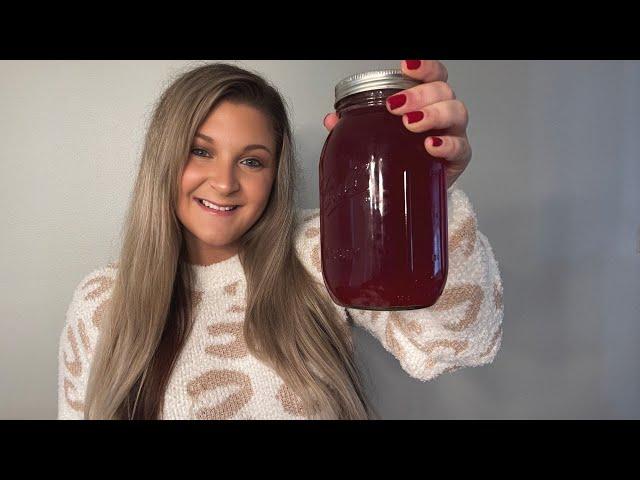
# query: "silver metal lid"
(374, 80)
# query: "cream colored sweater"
(217, 378)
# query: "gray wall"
(553, 178)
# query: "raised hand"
(431, 105)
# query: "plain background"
(553, 178)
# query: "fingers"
(449, 114)
(419, 96)
(427, 71)
(330, 120)
(455, 150)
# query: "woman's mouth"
(213, 209)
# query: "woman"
(216, 314)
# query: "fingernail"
(436, 142)
(413, 64)
(413, 117)
(396, 101)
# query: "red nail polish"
(396, 101)
(413, 64)
(436, 142)
(413, 117)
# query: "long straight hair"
(290, 322)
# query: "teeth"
(211, 205)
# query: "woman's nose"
(225, 179)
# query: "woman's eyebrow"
(253, 146)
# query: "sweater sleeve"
(462, 329)
(78, 339)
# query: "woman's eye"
(256, 163)
(198, 149)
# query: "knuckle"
(434, 115)
(447, 91)
(456, 147)
(422, 94)
(436, 70)
(466, 150)
(464, 111)
(445, 72)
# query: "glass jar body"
(383, 210)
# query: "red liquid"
(383, 213)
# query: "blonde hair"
(290, 321)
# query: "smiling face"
(235, 166)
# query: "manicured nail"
(436, 142)
(396, 101)
(413, 117)
(413, 64)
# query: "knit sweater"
(216, 377)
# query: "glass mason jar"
(383, 202)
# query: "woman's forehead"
(231, 122)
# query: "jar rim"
(373, 80)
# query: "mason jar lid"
(373, 80)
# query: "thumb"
(330, 120)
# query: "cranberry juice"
(383, 212)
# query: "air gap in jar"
(383, 202)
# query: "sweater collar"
(217, 275)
